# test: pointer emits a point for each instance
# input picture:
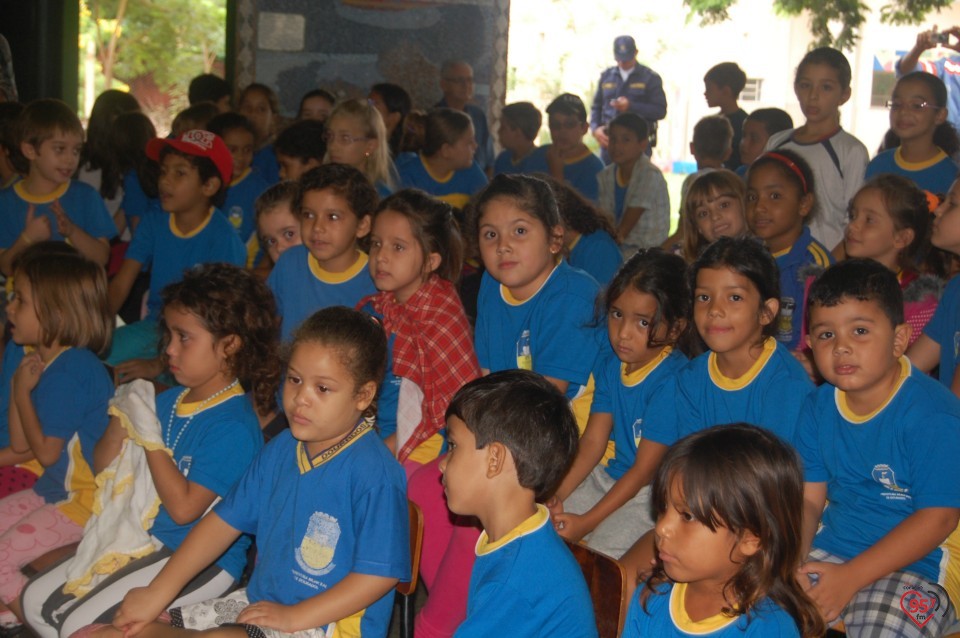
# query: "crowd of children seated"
(310, 323)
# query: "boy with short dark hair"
(757, 129)
(519, 126)
(722, 86)
(246, 184)
(879, 442)
(47, 203)
(567, 158)
(300, 147)
(512, 437)
(210, 88)
(195, 169)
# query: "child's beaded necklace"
(199, 409)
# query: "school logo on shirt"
(885, 476)
(956, 344)
(235, 216)
(637, 431)
(524, 355)
(184, 465)
(319, 544)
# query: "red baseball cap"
(200, 144)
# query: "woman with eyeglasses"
(922, 142)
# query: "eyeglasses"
(342, 138)
(916, 107)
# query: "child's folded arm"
(209, 538)
(355, 592)
(184, 500)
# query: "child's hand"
(28, 373)
(138, 369)
(555, 506)
(64, 226)
(271, 615)
(805, 357)
(36, 229)
(571, 527)
(140, 607)
(554, 159)
(600, 134)
(833, 589)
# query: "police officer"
(629, 86)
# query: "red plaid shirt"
(433, 347)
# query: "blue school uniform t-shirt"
(238, 207)
(301, 287)
(598, 254)
(944, 328)
(456, 189)
(792, 264)
(80, 201)
(578, 172)
(318, 520)
(935, 175)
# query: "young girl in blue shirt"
(728, 502)
(219, 337)
(606, 501)
(356, 136)
(58, 410)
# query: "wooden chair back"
(607, 581)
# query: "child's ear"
(496, 458)
(363, 227)
(845, 95)
(365, 395)
(676, 329)
(749, 544)
(556, 239)
(903, 238)
(806, 204)
(210, 187)
(584, 127)
(768, 311)
(901, 339)
(231, 344)
(29, 151)
(433, 262)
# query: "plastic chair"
(607, 581)
(407, 592)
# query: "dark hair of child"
(831, 58)
(909, 209)
(712, 137)
(443, 126)
(320, 93)
(302, 140)
(576, 213)
(397, 100)
(532, 195)
(708, 186)
(9, 113)
(207, 88)
(231, 301)
(633, 123)
(745, 479)
(524, 116)
(195, 116)
(727, 74)
(793, 167)
(433, 226)
(205, 168)
(98, 151)
(223, 123)
(862, 280)
(358, 338)
(663, 276)
(42, 119)
(131, 131)
(69, 296)
(748, 258)
(774, 120)
(945, 135)
(346, 181)
(275, 195)
(414, 130)
(264, 90)
(529, 416)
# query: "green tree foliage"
(171, 40)
(832, 22)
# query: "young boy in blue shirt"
(519, 126)
(47, 203)
(567, 158)
(334, 204)
(879, 443)
(246, 184)
(512, 437)
(195, 169)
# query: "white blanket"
(126, 500)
